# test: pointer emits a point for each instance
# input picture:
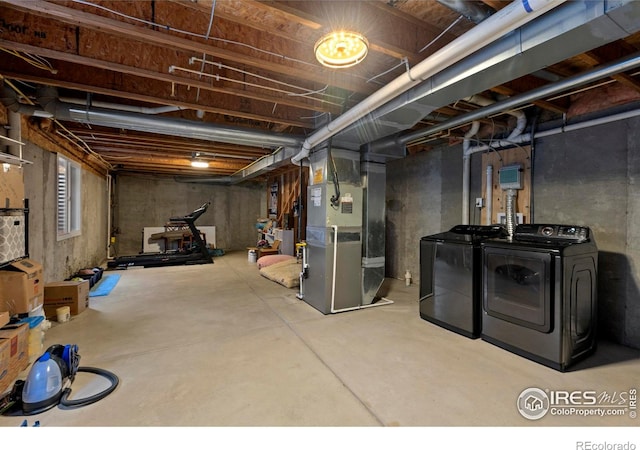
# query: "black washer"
(451, 277)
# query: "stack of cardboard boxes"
(21, 293)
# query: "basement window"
(68, 198)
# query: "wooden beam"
(162, 39)
(167, 78)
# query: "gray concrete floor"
(219, 345)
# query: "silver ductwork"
(510, 18)
(565, 31)
(48, 99)
(374, 182)
(605, 70)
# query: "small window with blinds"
(68, 198)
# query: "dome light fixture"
(199, 163)
(341, 49)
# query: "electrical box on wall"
(510, 177)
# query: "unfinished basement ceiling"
(235, 81)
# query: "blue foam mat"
(104, 286)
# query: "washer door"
(517, 287)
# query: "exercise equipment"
(196, 254)
(48, 383)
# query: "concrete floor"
(219, 345)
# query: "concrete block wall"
(146, 201)
(61, 259)
(587, 177)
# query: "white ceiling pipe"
(467, 150)
(120, 107)
(502, 22)
(466, 170)
(526, 138)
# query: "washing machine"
(450, 277)
(539, 294)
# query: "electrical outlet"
(479, 202)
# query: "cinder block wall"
(61, 259)
(147, 201)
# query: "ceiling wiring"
(204, 55)
(273, 80)
(434, 40)
(245, 83)
(34, 60)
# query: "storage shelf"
(11, 159)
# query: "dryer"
(539, 294)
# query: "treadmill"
(198, 254)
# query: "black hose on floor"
(64, 401)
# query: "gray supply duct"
(48, 99)
(374, 179)
(515, 15)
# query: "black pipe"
(534, 122)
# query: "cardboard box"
(4, 318)
(74, 294)
(6, 382)
(21, 286)
(11, 186)
(17, 336)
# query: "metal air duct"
(506, 20)
(48, 98)
(565, 31)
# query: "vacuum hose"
(64, 400)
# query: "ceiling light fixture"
(341, 49)
(199, 163)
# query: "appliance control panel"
(552, 232)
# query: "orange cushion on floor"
(265, 261)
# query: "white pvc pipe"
(511, 17)
(119, 107)
(467, 151)
(489, 195)
(525, 138)
(466, 170)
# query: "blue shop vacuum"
(49, 384)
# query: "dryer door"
(517, 286)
